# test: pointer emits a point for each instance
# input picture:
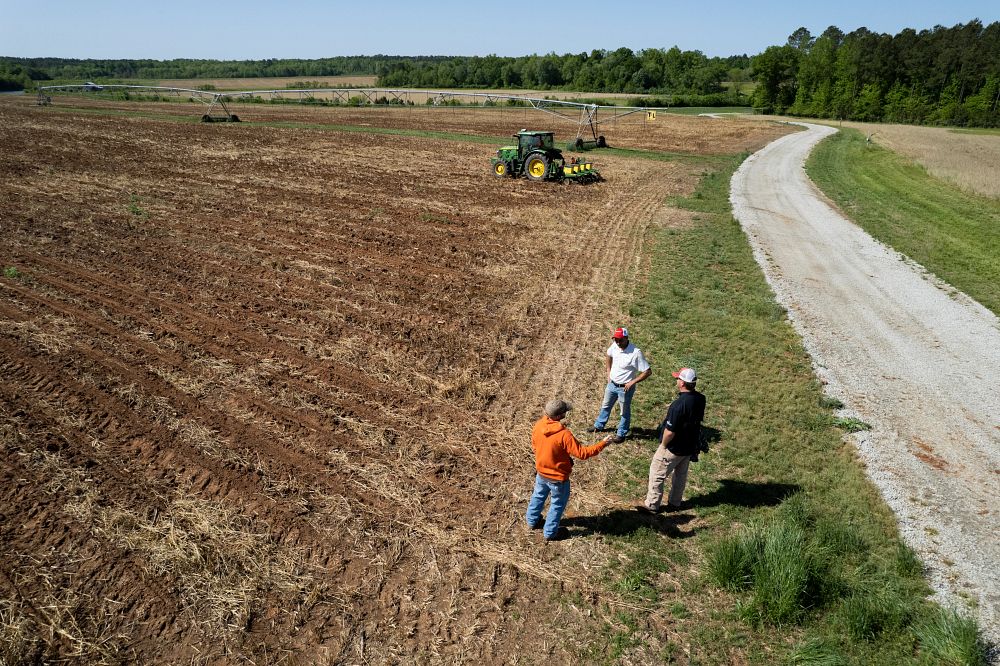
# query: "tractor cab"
(529, 141)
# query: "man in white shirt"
(626, 367)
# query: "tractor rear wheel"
(536, 166)
(500, 169)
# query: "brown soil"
(266, 392)
(688, 134)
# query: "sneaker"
(536, 526)
(670, 508)
(595, 429)
(561, 534)
(617, 439)
(642, 508)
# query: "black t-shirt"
(684, 418)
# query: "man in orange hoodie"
(554, 444)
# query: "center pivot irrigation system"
(584, 115)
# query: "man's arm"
(669, 422)
(573, 447)
(607, 366)
(642, 375)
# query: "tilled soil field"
(266, 392)
(694, 135)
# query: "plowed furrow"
(205, 332)
(606, 246)
(158, 456)
(103, 574)
(305, 426)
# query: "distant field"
(269, 83)
(699, 110)
(968, 159)
(281, 83)
(671, 133)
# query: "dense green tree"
(982, 109)
(775, 70)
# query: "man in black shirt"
(680, 441)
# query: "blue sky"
(252, 29)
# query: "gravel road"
(909, 355)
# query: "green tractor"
(536, 157)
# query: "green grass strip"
(954, 234)
(789, 523)
(989, 131)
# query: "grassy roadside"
(787, 553)
(953, 234)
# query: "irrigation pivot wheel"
(536, 167)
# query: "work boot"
(561, 534)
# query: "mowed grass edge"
(791, 556)
(953, 234)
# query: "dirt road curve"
(907, 354)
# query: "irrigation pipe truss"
(586, 114)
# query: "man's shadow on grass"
(622, 522)
(744, 493)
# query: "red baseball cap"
(620, 332)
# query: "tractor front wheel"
(536, 166)
(500, 169)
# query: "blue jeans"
(560, 496)
(613, 394)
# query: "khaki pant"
(664, 463)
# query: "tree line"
(655, 71)
(937, 76)
(649, 71)
(25, 71)
(947, 76)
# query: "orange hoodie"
(554, 444)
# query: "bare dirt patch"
(266, 392)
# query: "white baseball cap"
(686, 375)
